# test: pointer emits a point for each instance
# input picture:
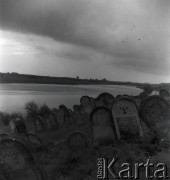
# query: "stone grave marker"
(60, 116)
(105, 99)
(64, 113)
(103, 128)
(152, 111)
(87, 106)
(38, 124)
(19, 161)
(20, 127)
(77, 141)
(51, 121)
(78, 114)
(93, 102)
(126, 119)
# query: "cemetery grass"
(61, 163)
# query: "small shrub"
(44, 110)
(32, 109)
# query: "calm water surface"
(14, 96)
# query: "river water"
(14, 96)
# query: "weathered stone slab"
(87, 106)
(152, 112)
(102, 127)
(64, 113)
(126, 118)
(38, 124)
(104, 99)
(20, 126)
(77, 141)
(51, 121)
(20, 163)
(79, 119)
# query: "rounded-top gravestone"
(103, 128)
(152, 112)
(105, 99)
(77, 141)
(38, 124)
(126, 119)
(86, 104)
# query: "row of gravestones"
(81, 113)
(121, 120)
(124, 121)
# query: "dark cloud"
(131, 33)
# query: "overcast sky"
(124, 40)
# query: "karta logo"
(108, 169)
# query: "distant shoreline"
(34, 79)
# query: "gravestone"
(20, 163)
(93, 102)
(77, 141)
(87, 106)
(126, 119)
(103, 128)
(78, 114)
(20, 127)
(152, 112)
(107, 100)
(60, 116)
(38, 124)
(64, 113)
(51, 121)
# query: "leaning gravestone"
(105, 99)
(20, 163)
(152, 111)
(103, 129)
(126, 119)
(87, 106)
(77, 141)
